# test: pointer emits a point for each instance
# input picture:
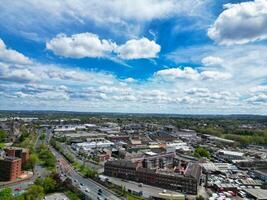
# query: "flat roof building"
(10, 168)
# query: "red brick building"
(10, 168)
(19, 153)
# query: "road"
(88, 183)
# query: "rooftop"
(260, 194)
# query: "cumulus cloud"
(80, 45)
(212, 61)
(215, 75)
(260, 88)
(90, 45)
(12, 56)
(240, 23)
(258, 99)
(14, 74)
(141, 48)
(178, 73)
(191, 74)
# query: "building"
(158, 160)
(10, 168)
(258, 194)
(19, 153)
(261, 174)
(186, 183)
(230, 155)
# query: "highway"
(89, 187)
(86, 182)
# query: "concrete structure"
(10, 168)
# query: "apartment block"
(10, 168)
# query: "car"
(81, 184)
(75, 180)
(17, 189)
(86, 190)
(99, 190)
(140, 185)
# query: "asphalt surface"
(84, 183)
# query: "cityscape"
(133, 100)
(68, 155)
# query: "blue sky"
(155, 56)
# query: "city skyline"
(180, 57)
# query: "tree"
(48, 184)
(6, 194)
(2, 145)
(35, 192)
(42, 137)
(201, 152)
(200, 198)
(33, 159)
(3, 135)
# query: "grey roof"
(121, 163)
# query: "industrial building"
(186, 183)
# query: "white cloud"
(258, 99)
(215, 75)
(12, 56)
(240, 23)
(80, 45)
(14, 74)
(90, 45)
(260, 88)
(141, 48)
(191, 74)
(212, 61)
(177, 73)
(123, 17)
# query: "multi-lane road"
(86, 185)
(89, 187)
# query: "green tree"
(200, 152)
(48, 184)
(33, 159)
(3, 135)
(6, 194)
(35, 192)
(42, 137)
(200, 198)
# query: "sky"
(134, 56)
